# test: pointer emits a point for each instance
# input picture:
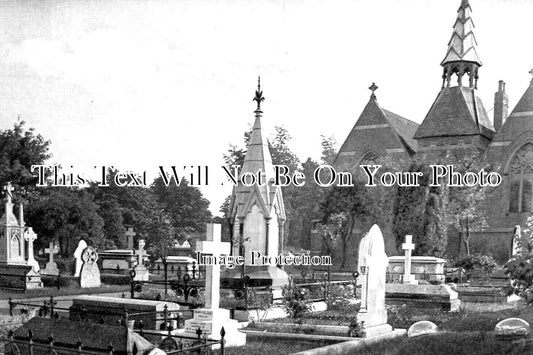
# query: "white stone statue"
(77, 255)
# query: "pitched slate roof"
(457, 111)
(374, 118)
(520, 120)
(462, 45)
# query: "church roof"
(520, 120)
(457, 111)
(462, 45)
(378, 129)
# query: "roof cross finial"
(259, 94)
(373, 88)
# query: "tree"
(66, 215)
(329, 150)
(130, 206)
(20, 148)
(185, 205)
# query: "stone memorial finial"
(259, 95)
(531, 73)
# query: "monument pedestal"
(141, 273)
(19, 277)
(424, 296)
(211, 321)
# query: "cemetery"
(122, 267)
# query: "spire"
(461, 57)
(258, 155)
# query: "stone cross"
(30, 236)
(214, 247)
(373, 88)
(9, 189)
(408, 246)
(51, 266)
(129, 235)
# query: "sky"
(139, 84)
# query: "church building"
(457, 122)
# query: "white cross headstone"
(129, 235)
(212, 246)
(51, 266)
(77, 255)
(408, 246)
(210, 319)
(30, 236)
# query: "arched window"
(521, 175)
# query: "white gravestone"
(516, 248)
(30, 236)
(211, 319)
(89, 274)
(77, 255)
(51, 266)
(408, 246)
(141, 272)
(373, 268)
(129, 235)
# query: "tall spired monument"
(257, 212)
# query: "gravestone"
(211, 318)
(77, 255)
(141, 272)
(51, 266)
(89, 274)
(15, 272)
(516, 247)
(408, 246)
(129, 235)
(372, 265)
(30, 236)
(422, 328)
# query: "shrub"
(520, 268)
(485, 264)
(295, 301)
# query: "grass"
(267, 346)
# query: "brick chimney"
(501, 106)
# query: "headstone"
(408, 246)
(428, 268)
(373, 267)
(89, 274)
(141, 272)
(77, 255)
(516, 248)
(51, 266)
(512, 328)
(211, 319)
(129, 235)
(422, 328)
(30, 236)
(15, 272)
